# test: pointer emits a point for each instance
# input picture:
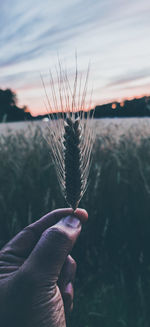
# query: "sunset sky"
(114, 35)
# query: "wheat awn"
(70, 135)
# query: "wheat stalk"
(70, 134)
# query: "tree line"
(9, 110)
(128, 108)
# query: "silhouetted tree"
(9, 111)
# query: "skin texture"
(37, 271)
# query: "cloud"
(115, 33)
(28, 34)
(129, 78)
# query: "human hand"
(37, 272)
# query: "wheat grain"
(70, 133)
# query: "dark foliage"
(9, 111)
(128, 108)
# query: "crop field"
(112, 287)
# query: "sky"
(113, 35)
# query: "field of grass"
(112, 287)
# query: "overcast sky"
(114, 35)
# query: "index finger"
(54, 216)
(24, 242)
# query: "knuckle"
(29, 231)
(28, 234)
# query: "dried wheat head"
(71, 134)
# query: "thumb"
(47, 258)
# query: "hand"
(37, 272)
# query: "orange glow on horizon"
(121, 99)
(114, 106)
(122, 104)
(36, 109)
(31, 97)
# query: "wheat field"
(112, 287)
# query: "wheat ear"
(70, 134)
(72, 159)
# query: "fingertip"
(81, 214)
